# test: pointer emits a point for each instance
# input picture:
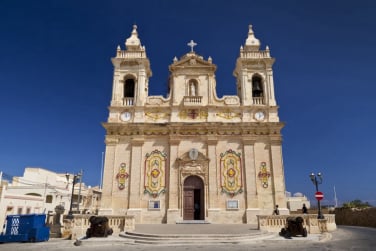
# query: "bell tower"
(131, 73)
(254, 74)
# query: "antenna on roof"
(335, 198)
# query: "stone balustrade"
(192, 100)
(258, 101)
(77, 226)
(131, 54)
(255, 54)
(274, 223)
(128, 101)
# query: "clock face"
(259, 116)
(125, 116)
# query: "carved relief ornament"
(193, 163)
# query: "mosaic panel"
(155, 173)
(231, 173)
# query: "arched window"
(257, 88)
(129, 88)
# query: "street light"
(316, 180)
(74, 182)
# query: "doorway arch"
(194, 201)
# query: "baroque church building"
(193, 156)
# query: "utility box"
(25, 228)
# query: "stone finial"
(252, 43)
(175, 59)
(118, 48)
(210, 59)
(133, 42)
(267, 48)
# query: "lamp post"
(316, 180)
(74, 182)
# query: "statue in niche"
(192, 89)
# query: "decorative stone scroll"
(156, 115)
(155, 173)
(228, 114)
(122, 176)
(231, 173)
(193, 114)
(264, 175)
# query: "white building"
(40, 191)
(295, 202)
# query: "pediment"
(192, 61)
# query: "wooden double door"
(193, 199)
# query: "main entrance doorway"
(193, 199)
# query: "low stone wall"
(365, 217)
(76, 227)
(274, 223)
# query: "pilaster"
(173, 187)
(135, 173)
(250, 173)
(213, 192)
(109, 172)
(278, 174)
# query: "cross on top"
(192, 44)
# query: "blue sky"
(56, 79)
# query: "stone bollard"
(55, 228)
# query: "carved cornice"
(269, 129)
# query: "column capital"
(212, 140)
(139, 141)
(174, 141)
(111, 140)
(249, 140)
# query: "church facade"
(193, 156)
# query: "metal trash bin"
(294, 227)
(25, 228)
(99, 227)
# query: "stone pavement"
(243, 236)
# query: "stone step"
(205, 239)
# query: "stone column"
(141, 87)
(271, 95)
(173, 184)
(135, 179)
(250, 174)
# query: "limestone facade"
(192, 155)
